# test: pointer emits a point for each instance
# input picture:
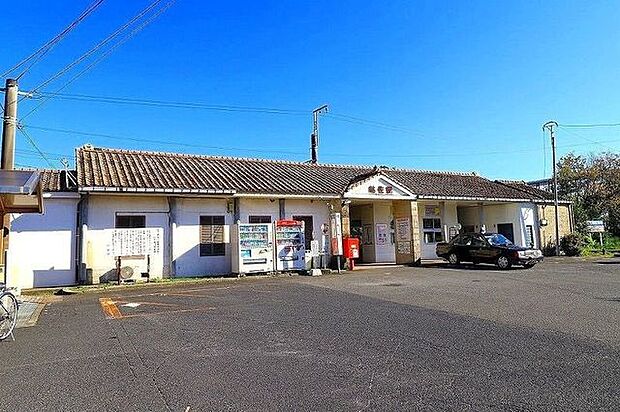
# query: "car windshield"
(498, 240)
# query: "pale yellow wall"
(402, 210)
(547, 233)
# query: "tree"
(593, 184)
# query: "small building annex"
(398, 214)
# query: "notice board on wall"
(134, 242)
(403, 229)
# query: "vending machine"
(252, 248)
(290, 245)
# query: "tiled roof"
(58, 180)
(530, 190)
(437, 184)
(125, 170)
(111, 168)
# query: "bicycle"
(8, 312)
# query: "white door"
(431, 235)
(384, 234)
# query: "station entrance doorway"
(373, 224)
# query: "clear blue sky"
(472, 82)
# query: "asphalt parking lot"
(381, 338)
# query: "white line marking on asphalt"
(131, 305)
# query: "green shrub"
(610, 242)
(573, 244)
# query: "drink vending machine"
(252, 248)
(290, 245)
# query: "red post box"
(351, 246)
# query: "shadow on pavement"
(469, 266)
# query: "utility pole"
(550, 125)
(7, 159)
(9, 124)
(314, 137)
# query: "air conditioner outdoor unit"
(134, 269)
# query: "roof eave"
(147, 190)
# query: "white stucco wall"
(520, 215)
(186, 238)
(318, 209)
(258, 207)
(448, 216)
(42, 246)
(102, 211)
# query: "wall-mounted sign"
(315, 248)
(432, 210)
(404, 248)
(595, 226)
(380, 189)
(134, 242)
(403, 229)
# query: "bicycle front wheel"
(8, 314)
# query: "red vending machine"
(290, 245)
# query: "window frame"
(259, 219)
(131, 218)
(529, 233)
(208, 247)
(432, 230)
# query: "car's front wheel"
(453, 259)
(529, 265)
(503, 262)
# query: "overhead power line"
(107, 53)
(579, 135)
(223, 108)
(35, 146)
(97, 46)
(168, 142)
(121, 100)
(372, 123)
(51, 155)
(174, 143)
(588, 126)
(36, 56)
(169, 104)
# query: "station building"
(398, 214)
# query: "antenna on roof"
(314, 137)
(68, 176)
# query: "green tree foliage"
(593, 184)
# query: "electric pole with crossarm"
(550, 125)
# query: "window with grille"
(259, 219)
(432, 230)
(212, 236)
(529, 233)
(130, 222)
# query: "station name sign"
(380, 189)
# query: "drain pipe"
(80, 243)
